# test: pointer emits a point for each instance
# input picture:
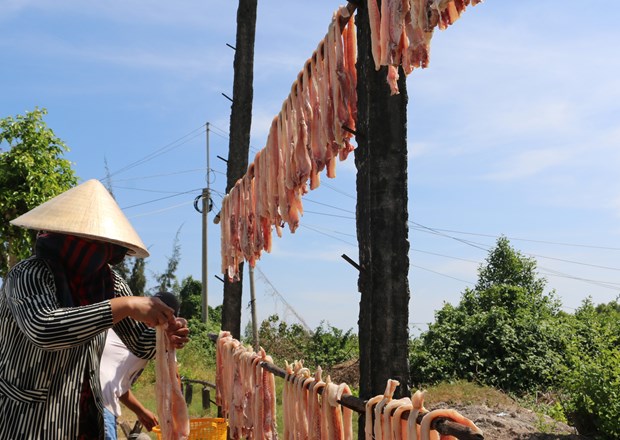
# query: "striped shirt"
(45, 351)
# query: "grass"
(466, 393)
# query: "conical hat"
(87, 210)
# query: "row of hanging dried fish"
(317, 119)
(401, 32)
(310, 133)
(311, 407)
(385, 417)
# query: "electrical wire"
(163, 198)
(169, 208)
(154, 176)
(162, 150)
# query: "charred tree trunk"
(382, 232)
(240, 124)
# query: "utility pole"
(206, 198)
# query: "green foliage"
(132, 271)
(592, 376)
(326, 346)
(32, 171)
(282, 341)
(330, 346)
(191, 299)
(503, 333)
(200, 347)
(137, 279)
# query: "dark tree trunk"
(382, 232)
(240, 124)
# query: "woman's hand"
(148, 419)
(178, 333)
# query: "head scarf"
(81, 267)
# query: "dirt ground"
(515, 423)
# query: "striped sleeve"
(31, 296)
(137, 336)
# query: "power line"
(169, 208)
(163, 198)
(328, 215)
(154, 176)
(328, 235)
(441, 274)
(146, 190)
(166, 148)
(531, 240)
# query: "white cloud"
(527, 164)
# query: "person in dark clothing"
(55, 309)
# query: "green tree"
(168, 279)
(503, 333)
(191, 299)
(32, 171)
(137, 279)
(132, 270)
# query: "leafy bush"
(592, 377)
(330, 346)
(326, 346)
(503, 333)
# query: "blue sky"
(513, 130)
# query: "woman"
(55, 309)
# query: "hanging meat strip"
(171, 408)
(337, 78)
(425, 428)
(374, 19)
(273, 181)
(287, 402)
(222, 338)
(302, 160)
(370, 406)
(387, 421)
(387, 397)
(236, 417)
(281, 146)
(332, 415)
(265, 426)
(257, 406)
(417, 403)
(246, 359)
(349, 37)
(399, 426)
(301, 398)
(419, 34)
(315, 420)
